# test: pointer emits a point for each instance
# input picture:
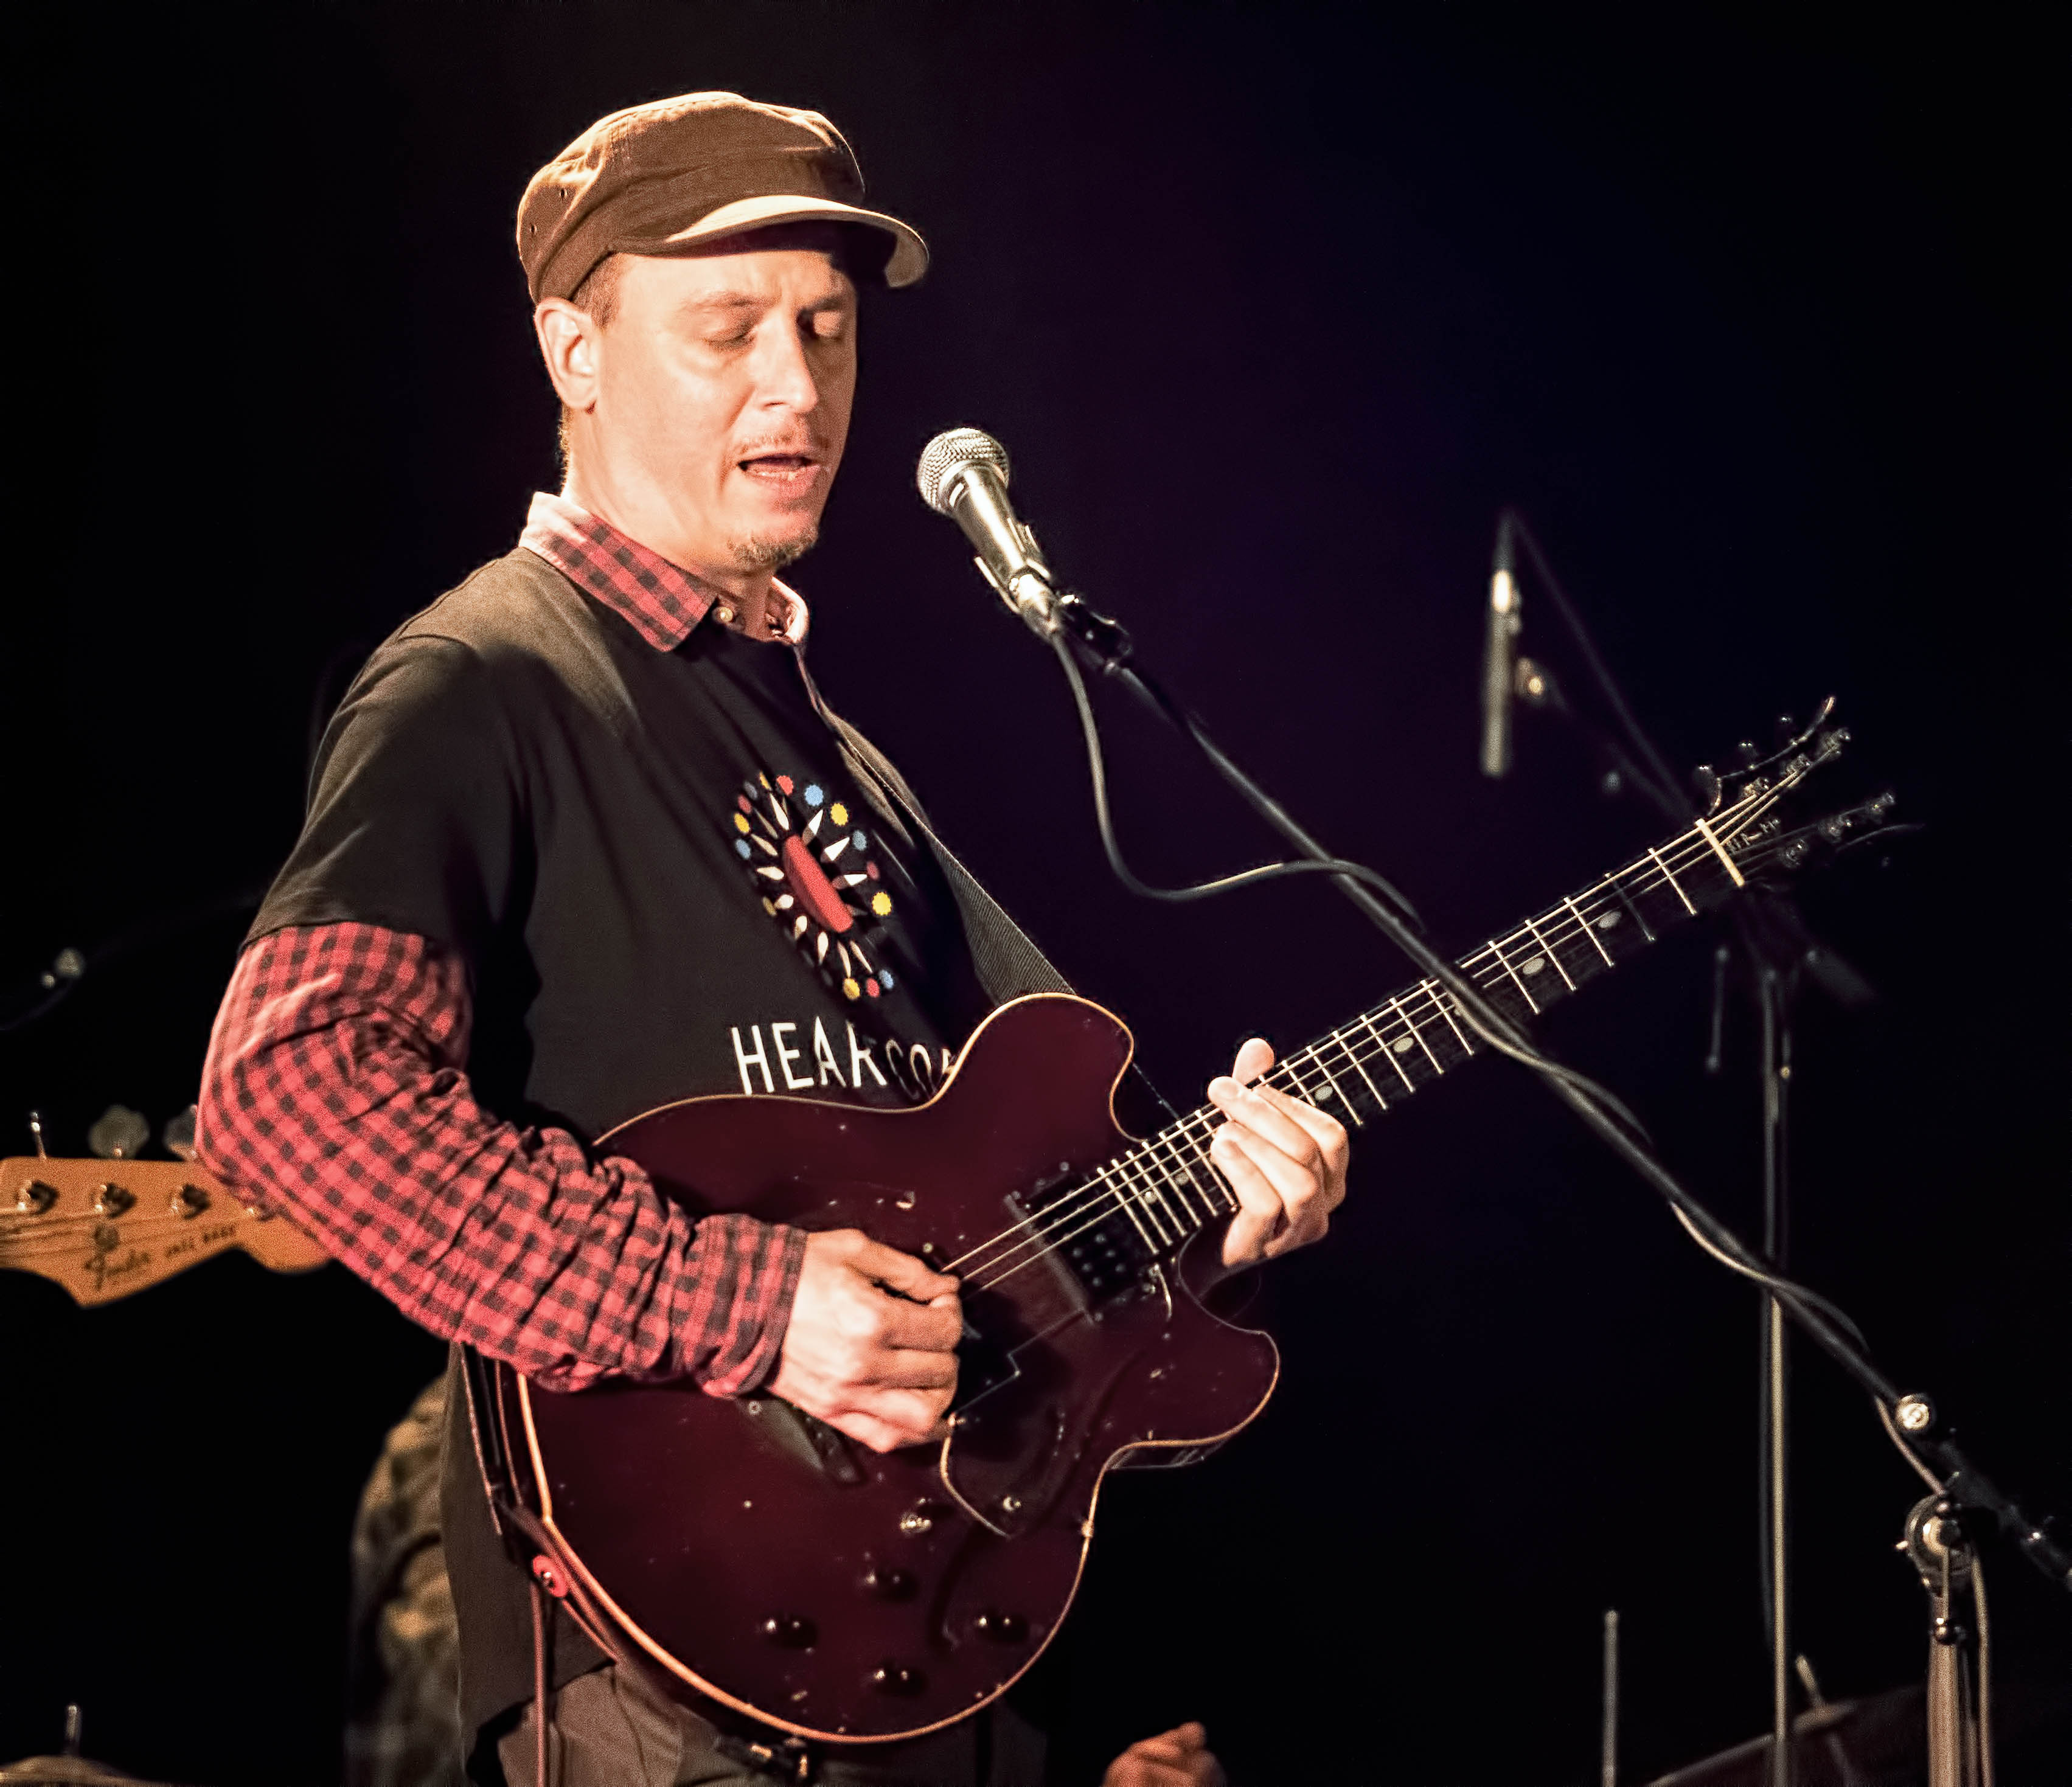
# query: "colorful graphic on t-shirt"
(813, 867)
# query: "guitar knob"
(789, 1631)
(888, 1585)
(920, 1519)
(1002, 1628)
(898, 1679)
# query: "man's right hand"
(871, 1349)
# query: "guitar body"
(750, 1557)
(751, 1560)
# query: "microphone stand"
(1775, 944)
(1103, 644)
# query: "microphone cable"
(1514, 1045)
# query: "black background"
(1756, 315)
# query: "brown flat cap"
(657, 178)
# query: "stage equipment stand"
(1775, 989)
(1075, 629)
(1777, 949)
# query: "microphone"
(1499, 666)
(963, 474)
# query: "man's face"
(724, 385)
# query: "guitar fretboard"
(1167, 1189)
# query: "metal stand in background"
(1959, 1657)
(1608, 1730)
(1775, 989)
(1778, 951)
(1078, 633)
(1069, 622)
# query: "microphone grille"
(947, 454)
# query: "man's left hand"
(1284, 1160)
(1177, 1758)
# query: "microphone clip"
(1104, 641)
(1099, 638)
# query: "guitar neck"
(1169, 1190)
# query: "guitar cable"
(1514, 1044)
(1505, 1039)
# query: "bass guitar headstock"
(103, 1229)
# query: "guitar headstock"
(1759, 778)
(103, 1229)
(1744, 806)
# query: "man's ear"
(567, 344)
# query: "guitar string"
(1106, 1196)
(26, 1221)
(1107, 1191)
(1138, 1173)
(1693, 849)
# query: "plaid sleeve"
(333, 1093)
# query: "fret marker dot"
(1535, 964)
(1610, 921)
(1402, 1045)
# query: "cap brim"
(910, 254)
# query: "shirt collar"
(659, 601)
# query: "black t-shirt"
(668, 876)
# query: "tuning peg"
(179, 1134)
(118, 1132)
(67, 964)
(1785, 727)
(1707, 780)
(1749, 752)
(36, 1130)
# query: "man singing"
(525, 906)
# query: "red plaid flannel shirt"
(335, 1092)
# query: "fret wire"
(1672, 880)
(1315, 1051)
(1345, 1049)
(1389, 1055)
(1532, 1003)
(1626, 900)
(1088, 1212)
(1142, 1183)
(1158, 1208)
(1430, 989)
(1419, 1034)
(1087, 1215)
(1149, 1201)
(1303, 1091)
(1590, 931)
(1229, 1198)
(1187, 1204)
(1208, 1119)
(1216, 1195)
(1546, 951)
(1128, 1203)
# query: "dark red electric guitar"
(752, 1556)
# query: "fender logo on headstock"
(140, 1221)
